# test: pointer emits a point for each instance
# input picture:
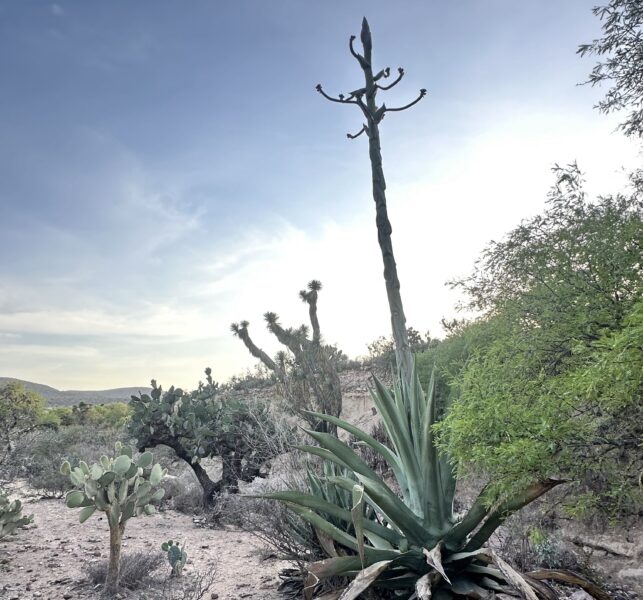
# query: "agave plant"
(414, 544)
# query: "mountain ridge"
(57, 397)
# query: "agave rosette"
(414, 544)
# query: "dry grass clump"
(136, 569)
(193, 587)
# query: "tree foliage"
(553, 385)
(21, 411)
(621, 51)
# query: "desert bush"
(381, 352)
(136, 569)
(554, 381)
(38, 455)
(21, 411)
(122, 488)
(259, 377)
(194, 587)
(11, 517)
(531, 542)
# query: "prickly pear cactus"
(176, 556)
(11, 517)
(121, 487)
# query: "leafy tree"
(203, 424)
(621, 47)
(21, 411)
(546, 387)
(382, 350)
(113, 415)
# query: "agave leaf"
(386, 453)
(481, 552)
(322, 453)
(392, 508)
(569, 577)
(512, 577)
(432, 493)
(434, 559)
(328, 528)
(357, 516)
(326, 542)
(395, 510)
(378, 541)
(424, 585)
(342, 451)
(470, 589)
(492, 584)
(396, 425)
(364, 580)
(482, 570)
(330, 567)
(475, 515)
(309, 585)
(320, 505)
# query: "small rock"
(580, 595)
(631, 573)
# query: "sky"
(167, 168)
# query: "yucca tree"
(316, 382)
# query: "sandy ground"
(48, 560)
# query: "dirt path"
(48, 560)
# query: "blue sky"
(167, 168)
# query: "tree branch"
(397, 80)
(360, 59)
(422, 94)
(352, 136)
(340, 99)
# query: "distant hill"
(70, 397)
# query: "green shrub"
(38, 456)
(553, 381)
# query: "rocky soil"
(49, 560)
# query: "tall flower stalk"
(365, 98)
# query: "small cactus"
(121, 487)
(11, 517)
(176, 556)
